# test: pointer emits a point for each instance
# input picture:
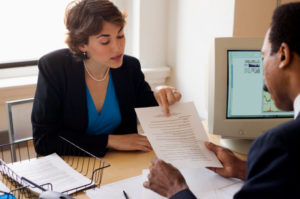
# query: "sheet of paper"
(133, 187)
(203, 183)
(3, 188)
(50, 169)
(179, 138)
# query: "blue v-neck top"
(109, 118)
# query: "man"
(271, 170)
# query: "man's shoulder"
(285, 132)
(271, 168)
(281, 140)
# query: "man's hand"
(165, 96)
(129, 142)
(165, 179)
(233, 167)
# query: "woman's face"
(107, 47)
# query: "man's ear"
(285, 55)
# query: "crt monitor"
(239, 108)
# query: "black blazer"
(60, 107)
(273, 172)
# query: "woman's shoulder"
(57, 55)
(61, 59)
(130, 61)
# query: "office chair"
(19, 121)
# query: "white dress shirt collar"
(296, 106)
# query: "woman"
(88, 93)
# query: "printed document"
(50, 169)
(177, 139)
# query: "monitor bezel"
(217, 93)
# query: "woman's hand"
(165, 96)
(165, 179)
(129, 142)
(233, 167)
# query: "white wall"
(132, 9)
(146, 30)
(191, 26)
(153, 32)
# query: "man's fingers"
(146, 184)
(212, 169)
(154, 160)
(216, 170)
(155, 187)
(212, 147)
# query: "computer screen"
(246, 97)
(238, 107)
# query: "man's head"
(281, 53)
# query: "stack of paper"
(50, 169)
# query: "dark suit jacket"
(60, 108)
(272, 169)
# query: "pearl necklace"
(91, 76)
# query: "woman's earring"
(84, 54)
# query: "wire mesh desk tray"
(23, 151)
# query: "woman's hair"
(84, 18)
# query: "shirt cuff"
(184, 194)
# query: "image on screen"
(245, 95)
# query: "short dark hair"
(285, 27)
(84, 18)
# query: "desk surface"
(128, 164)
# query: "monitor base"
(237, 145)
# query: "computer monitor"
(239, 108)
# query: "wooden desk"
(128, 164)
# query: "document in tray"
(50, 169)
(3, 188)
(203, 183)
(179, 138)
